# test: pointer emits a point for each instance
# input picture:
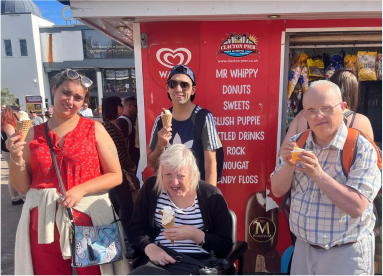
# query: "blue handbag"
(90, 245)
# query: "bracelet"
(17, 164)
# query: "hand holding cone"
(168, 218)
(24, 127)
(166, 117)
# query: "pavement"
(10, 216)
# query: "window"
(8, 47)
(23, 48)
(97, 45)
(119, 81)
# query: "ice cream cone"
(171, 224)
(166, 117)
(24, 126)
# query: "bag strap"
(126, 118)
(56, 168)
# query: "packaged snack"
(335, 65)
(366, 66)
(295, 73)
(315, 67)
(350, 63)
(304, 78)
(379, 67)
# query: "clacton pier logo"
(237, 45)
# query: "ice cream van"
(242, 53)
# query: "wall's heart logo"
(179, 56)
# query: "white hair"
(329, 84)
(174, 158)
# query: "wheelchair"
(227, 264)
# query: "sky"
(51, 10)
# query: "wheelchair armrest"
(238, 249)
(131, 252)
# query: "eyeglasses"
(173, 84)
(324, 110)
(73, 75)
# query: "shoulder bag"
(90, 245)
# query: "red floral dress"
(77, 160)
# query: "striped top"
(314, 218)
(121, 144)
(188, 216)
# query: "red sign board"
(237, 75)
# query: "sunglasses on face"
(73, 75)
(173, 84)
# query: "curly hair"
(9, 116)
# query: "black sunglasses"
(173, 84)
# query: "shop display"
(366, 66)
(379, 67)
(350, 63)
(295, 72)
(316, 67)
(335, 65)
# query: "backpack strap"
(302, 138)
(199, 122)
(346, 115)
(349, 151)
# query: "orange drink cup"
(294, 155)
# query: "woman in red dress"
(89, 167)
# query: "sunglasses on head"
(173, 84)
(73, 75)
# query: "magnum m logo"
(262, 229)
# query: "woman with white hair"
(202, 219)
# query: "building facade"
(34, 50)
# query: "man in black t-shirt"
(127, 123)
(181, 88)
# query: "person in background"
(127, 122)
(121, 195)
(9, 118)
(348, 84)
(331, 214)
(181, 89)
(3, 106)
(47, 116)
(36, 119)
(202, 219)
(85, 111)
(89, 167)
(98, 111)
